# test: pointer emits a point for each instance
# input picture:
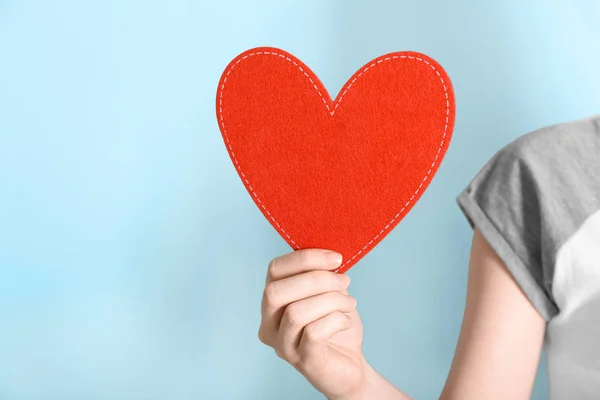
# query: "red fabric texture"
(335, 174)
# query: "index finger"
(300, 261)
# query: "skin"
(311, 321)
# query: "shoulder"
(548, 172)
(530, 196)
(554, 146)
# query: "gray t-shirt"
(537, 202)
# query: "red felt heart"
(339, 174)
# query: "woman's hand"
(311, 321)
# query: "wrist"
(369, 381)
(370, 377)
(375, 386)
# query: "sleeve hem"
(477, 218)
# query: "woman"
(534, 281)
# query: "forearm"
(377, 387)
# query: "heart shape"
(340, 174)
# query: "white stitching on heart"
(332, 113)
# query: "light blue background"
(132, 259)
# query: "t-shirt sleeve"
(503, 202)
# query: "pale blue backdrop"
(131, 257)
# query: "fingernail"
(345, 279)
(353, 300)
(333, 258)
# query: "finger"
(284, 289)
(300, 261)
(313, 342)
(302, 313)
(279, 294)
